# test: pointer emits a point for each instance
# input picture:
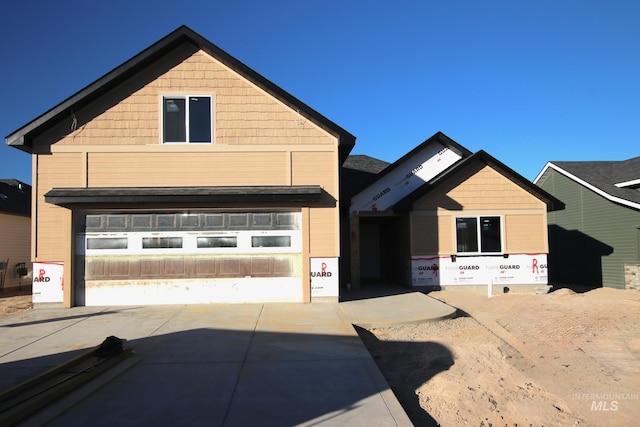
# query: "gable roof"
(485, 158)
(617, 181)
(22, 138)
(437, 137)
(406, 174)
(15, 197)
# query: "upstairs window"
(186, 119)
(479, 234)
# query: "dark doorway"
(384, 250)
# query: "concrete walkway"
(215, 365)
(396, 310)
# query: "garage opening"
(190, 257)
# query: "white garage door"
(188, 257)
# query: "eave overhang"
(68, 197)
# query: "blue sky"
(526, 81)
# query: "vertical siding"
(610, 227)
(15, 246)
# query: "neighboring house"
(443, 217)
(15, 234)
(595, 241)
(183, 176)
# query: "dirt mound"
(563, 292)
(564, 358)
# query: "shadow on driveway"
(225, 376)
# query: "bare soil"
(14, 301)
(559, 359)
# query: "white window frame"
(187, 117)
(479, 233)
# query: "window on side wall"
(478, 234)
(186, 119)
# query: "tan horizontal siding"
(431, 234)
(319, 168)
(59, 171)
(187, 169)
(526, 233)
(324, 235)
(315, 168)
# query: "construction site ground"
(557, 359)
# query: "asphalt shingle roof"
(603, 175)
(358, 171)
(15, 197)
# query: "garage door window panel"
(217, 242)
(162, 242)
(107, 243)
(270, 241)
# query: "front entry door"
(370, 251)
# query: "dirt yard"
(561, 359)
(14, 301)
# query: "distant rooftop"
(618, 179)
(15, 197)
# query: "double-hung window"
(479, 234)
(186, 119)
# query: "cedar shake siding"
(485, 192)
(110, 136)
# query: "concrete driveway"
(216, 365)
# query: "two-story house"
(183, 176)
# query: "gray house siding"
(590, 228)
